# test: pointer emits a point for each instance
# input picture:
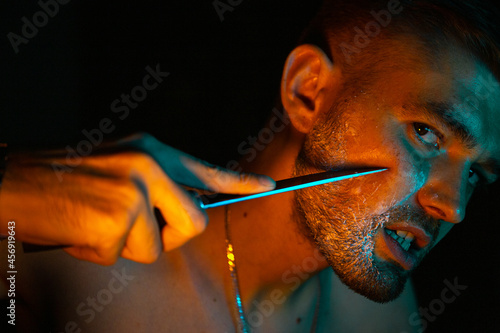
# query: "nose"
(444, 195)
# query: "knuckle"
(109, 233)
(214, 178)
(108, 261)
(153, 257)
(120, 212)
(199, 221)
(223, 176)
(214, 171)
(142, 260)
(244, 178)
(127, 165)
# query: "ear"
(308, 85)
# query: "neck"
(270, 249)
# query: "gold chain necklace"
(238, 313)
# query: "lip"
(392, 250)
(406, 259)
(422, 237)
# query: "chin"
(380, 284)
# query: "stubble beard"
(346, 238)
(338, 223)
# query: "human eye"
(477, 179)
(427, 135)
(474, 177)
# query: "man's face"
(436, 127)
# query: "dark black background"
(224, 78)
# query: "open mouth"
(404, 238)
(405, 243)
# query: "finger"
(227, 181)
(143, 243)
(101, 250)
(184, 218)
(174, 238)
(187, 170)
(101, 257)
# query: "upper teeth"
(404, 238)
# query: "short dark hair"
(472, 24)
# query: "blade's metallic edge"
(287, 189)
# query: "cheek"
(413, 169)
(386, 144)
(353, 131)
(409, 168)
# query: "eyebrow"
(443, 113)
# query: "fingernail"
(267, 182)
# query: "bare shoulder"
(63, 294)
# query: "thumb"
(223, 180)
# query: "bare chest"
(65, 295)
(61, 294)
